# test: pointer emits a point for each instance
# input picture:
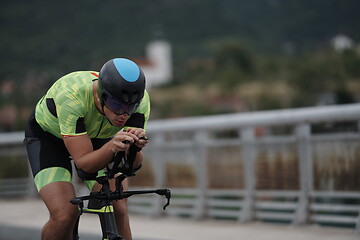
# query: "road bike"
(100, 202)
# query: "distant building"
(341, 42)
(157, 65)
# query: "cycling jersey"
(68, 109)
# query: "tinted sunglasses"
(118, 107)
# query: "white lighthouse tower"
(158, 65)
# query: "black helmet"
(122, 82)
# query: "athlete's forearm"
(99, 159)
(95, 160)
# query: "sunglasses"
(118, 107)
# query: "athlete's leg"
(121, 212)
(51, 167)
(63, 214)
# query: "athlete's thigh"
(49, 159)
(57, 196)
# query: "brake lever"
(167, 194)
(167, 202)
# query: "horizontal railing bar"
(274, 216)
(333, 219)
(183, 201)
(274, 193)
(276, 205)
(11, 138)
(334, 194)
(185, 191)
(335, 137)
(263, 118)
(335, 207)
(225, 203)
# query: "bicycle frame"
(100, 202)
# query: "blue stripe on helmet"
(127, 69)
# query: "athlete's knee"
(65, 217)
(120, 207)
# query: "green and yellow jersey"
(68, 109)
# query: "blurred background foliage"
(228, 55)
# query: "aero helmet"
(121, 85)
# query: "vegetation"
(237, 80)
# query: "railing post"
(159, 169)
(249, 155)
(201, 139)
(303, 135)
(357, 224)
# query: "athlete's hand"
(122, 141)
(142, 140)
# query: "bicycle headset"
(121, 85)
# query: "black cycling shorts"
(49, 158)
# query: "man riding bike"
(87, 117)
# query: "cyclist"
(85, 116)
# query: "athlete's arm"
(90, 161)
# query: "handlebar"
(121, 195)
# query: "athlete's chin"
(118, 123)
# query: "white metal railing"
(248, 203)
(190, 141)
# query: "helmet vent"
(125, 96)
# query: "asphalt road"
(23, 219)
